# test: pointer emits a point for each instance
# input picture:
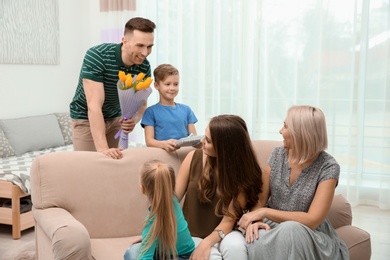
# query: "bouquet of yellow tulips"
(133, 91)
(138, 82)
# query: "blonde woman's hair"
(158, 182)
(164, 70)
(307, 128)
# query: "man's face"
(136, 47)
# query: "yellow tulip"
(129, 81)
(147, 82)
(140, 76)
(122, 76)
(140, 85)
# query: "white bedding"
(16, 169)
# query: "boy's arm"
(192, 129)
(167, 145)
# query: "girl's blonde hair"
(158, 182)
(307, 128)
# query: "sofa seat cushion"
(357, 240)
(111, 248)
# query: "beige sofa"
(89, 206)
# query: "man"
(95, 108)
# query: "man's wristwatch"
(220, 233)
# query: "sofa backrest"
(263, 149)
(102, 193)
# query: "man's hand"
(114, 153)
(127, 125)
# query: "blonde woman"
(298, 187)
(165, 234)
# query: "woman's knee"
(290, 226)
(233, 246)
(233, 239)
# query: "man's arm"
(94, 92)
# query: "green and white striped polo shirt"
(102, 64)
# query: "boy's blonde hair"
(158, 182)
(307, 127)
(163, 71)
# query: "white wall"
(40, 89)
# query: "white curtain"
(256, 58)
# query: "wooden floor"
(371, 219)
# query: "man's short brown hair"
(140, 24)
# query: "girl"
(165, 234)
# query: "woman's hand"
(201, 252)
(250, 217)
(252, 231)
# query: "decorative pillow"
(5, 147)
(66, 129)
(32, 133)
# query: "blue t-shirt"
(184, 243)
(169, 122)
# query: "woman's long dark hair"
(235, 168)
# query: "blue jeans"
(232, 247)
(133, 250)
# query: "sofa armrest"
(357, 240)
(69, 238)
(340, 213)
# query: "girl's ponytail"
(158, 181)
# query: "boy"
(167, 121)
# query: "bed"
(46, 134)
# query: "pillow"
(66, 129)
(32, 133)
(5, 147)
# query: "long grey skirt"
(293, 240)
